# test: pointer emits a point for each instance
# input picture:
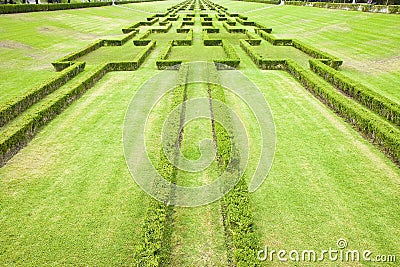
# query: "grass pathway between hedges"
(68, 198)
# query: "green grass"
(367, 43)
(68, 198)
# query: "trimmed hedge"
(233, 29)
(163, 62)
(391, 9)
(237, 215)
(271, 2)
(272, 39)
(245, 22)
(371, 125)
(232, 59)
(65, 62)
(327, 59)
(24, 8)
(21, 103)
(330, 60)
(262, 63)
(154, 246)
(17, 135)
(362, 94)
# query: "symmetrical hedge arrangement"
(391, 9)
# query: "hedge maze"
(189, 31)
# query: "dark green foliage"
(18, 135)
(273, 40)
(365, 96)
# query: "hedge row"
(272, 39)
(207, 41)
(271, 2)
(185, 42)
(236, 211)
(265, 64)
(211, 30)
(232, 59)
(367, 97)
(18, 135)
(66, 61)
(245, 22)
(373, 126)
(153, 249)
(23, 8)
(233, 29)
(391, 9)
(330, 60)
(21, 103)
(163, 62)
(125, 39)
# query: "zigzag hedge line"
(19, 132)
(21, 103)
(330, 60)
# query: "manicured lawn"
(68, 198)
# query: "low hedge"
(64, 61)
(233, 29)
(391, 9)
(125, 39)
(211, 30)
(164, 63)
(362, 94)
(271, 2)
(24, 8)
(236, 210)
(17, 135)
(245, 22)
(273, 40)
(154, 246)
(380, 131)
(21, 103)
(232, 59)
(207, 23)
(265, 64)
(332, 61)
